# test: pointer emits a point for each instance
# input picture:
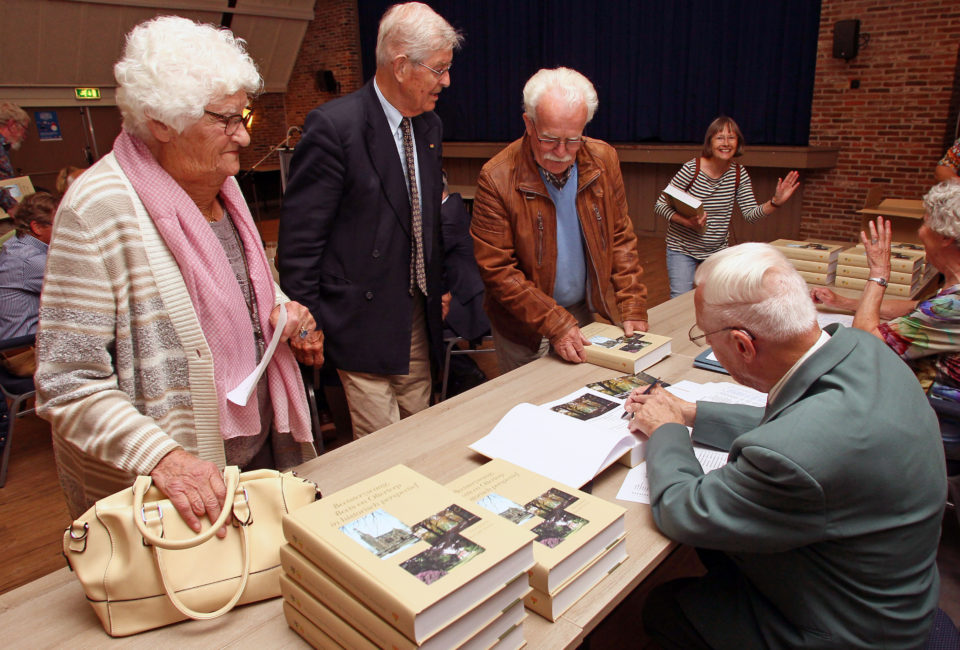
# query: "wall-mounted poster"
(48, 125)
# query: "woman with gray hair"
(159, 299)
(926, 333)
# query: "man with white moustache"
(551, 231)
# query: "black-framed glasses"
(439, 73)
(232, 122)
(553, 143)
(700, 339)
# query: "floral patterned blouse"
(928, 339)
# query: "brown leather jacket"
(515, 241)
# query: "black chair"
(948, 413)
(943, 635)
(16, 391)
(451, 342)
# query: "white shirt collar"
(394, 116)
(772, 395)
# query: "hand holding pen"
(646, 391)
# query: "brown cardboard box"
(905, 215)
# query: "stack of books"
(815, 261)
(579, 537)
(908, 270)
(399, 561)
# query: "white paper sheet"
(636, 488)
(824, 319)
(557, 446)
(718, 391)
(241, 394)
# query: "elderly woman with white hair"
(159, 299)
(926, 334)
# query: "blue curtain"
(663, 69)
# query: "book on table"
(896, 277)
(572, 528)
(683, 202)
(708, 361)
(903, 260)
(352, 625)
(814, 266)
(588, 420)
(807, 250)
(893, 289)
(552, 606)
(411, 550)
(611, 348)
(817, 278)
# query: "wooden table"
(52, 611)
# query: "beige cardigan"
(124, 374)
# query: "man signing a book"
(551, 231)
(809, 535)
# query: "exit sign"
(87, 93)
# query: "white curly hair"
(172, 68)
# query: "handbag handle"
(202, 616)
(231, 476)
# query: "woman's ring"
(874, 241)
(303, 332)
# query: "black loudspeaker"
(327, 82)
(846, 39)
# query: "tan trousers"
(511, 356)
(376, 401)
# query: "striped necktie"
(417, 270)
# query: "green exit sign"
(87, 93)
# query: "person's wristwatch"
(881, 281)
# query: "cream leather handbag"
(142, 567)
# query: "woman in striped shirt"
(716, 180)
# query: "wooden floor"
(33, 513)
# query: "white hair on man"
(414, 30)
(755, 287)
(172, 68)
(942, 203)
(574, 89)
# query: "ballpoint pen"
(646, 391)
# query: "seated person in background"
(822, 529)
(947, 167)
(463, 303)
(924, 334)
(14, 123)
(551, 230)
(22, 261)
(66, 177)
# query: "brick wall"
(332, 42)
(892, 129)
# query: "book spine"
(601, 356)
(340, 623)
(807, 254)
(817, 278)
(813, 266)
(893, 289)
(896, 264)
(313, 584)
(365, 587)
(863, 273)
(541, 603)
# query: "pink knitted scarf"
(216, 296)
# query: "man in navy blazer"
(346, 244)
(821, 531)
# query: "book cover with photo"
(611, 348)
(414, 552)
(572, 527)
